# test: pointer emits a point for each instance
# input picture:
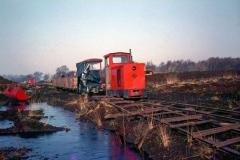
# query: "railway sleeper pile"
(164, 131)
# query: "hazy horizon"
(74, 69)
(43, 35)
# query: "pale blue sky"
(44, 34)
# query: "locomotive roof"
(92, 60)
(117, 53)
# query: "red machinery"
(124, 78)
(31, 82)
(15, 92)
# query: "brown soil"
(221, 91)
(11, 153)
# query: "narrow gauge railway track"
(201, 125)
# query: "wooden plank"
(134, 113)
(112, 99)
(122, 102)
(190, 124)
(211, 131)
(168, 112)
(210, 114)
(198, 106)
(181, 118)
(237, 129)
(97, 97)
(164, 113)
(227, 142)
(132, 105)
(119, 108)
(230, 150)
(148, 104)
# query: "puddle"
(4, 124)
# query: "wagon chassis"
(182, 117)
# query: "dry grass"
(205, 151)
(145, 132)
(82, 102)
(189, 136)
(97, 119)
(215, 98)
(94, 111)
(229, 76)
(172, 79)
(83, 105)
(164, 134)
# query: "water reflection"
(3, 108)
(4, 124)
(119, 151)
(83, 142)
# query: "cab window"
(95, 66)
(120, 59)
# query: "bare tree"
(46, 77)
(38, 75)
(62, 70)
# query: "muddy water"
(82, 142)
(6, 124)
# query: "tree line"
(211, 64)
(38, 76)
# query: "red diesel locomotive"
(123, 77)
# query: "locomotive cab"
(89, 76)
(124, 78)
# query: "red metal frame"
(16, 92)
